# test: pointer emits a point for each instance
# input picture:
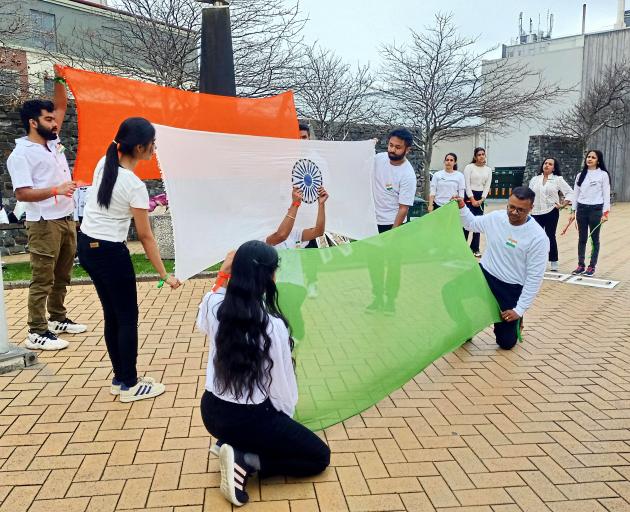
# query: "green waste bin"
(418, 209)
(504, 179)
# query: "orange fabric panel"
(104, 101)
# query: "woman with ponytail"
(251, 390)
(118, 195)
(591, 200)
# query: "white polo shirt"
(32, 165)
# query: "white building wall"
(560, 62)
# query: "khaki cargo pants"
(52, 245)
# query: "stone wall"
(566, 150)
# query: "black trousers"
(384, 271)
(588, 216)
(507, 296)
(476, 211)
(109, 265)
(283, 445)
(549, 222)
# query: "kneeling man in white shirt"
(514, 261)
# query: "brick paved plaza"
(544, 427)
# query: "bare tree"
(159, 41)
(605, 103)
(440, 87)
(332, 94)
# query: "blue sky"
(356, 28)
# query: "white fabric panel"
(225, 189)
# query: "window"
(9, 83)
(49, 87)
(44, 30)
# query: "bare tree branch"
(159, 41)
(439, 86)
(605, 103)
(332, 94)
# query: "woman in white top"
(547, 186)
(446, 184)
(591, 203)
(117, 196)
(251, 389)
(478, 178)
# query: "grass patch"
(22, 271)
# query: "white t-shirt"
(445, 185)
(595, 189)
(547, 194)
(477, 178)
(392, 185)
(32, 165)
(283, 390)
(290, 263)
(112, 224)
(514, 254)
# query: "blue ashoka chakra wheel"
(308, 178)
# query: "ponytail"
(133, 132)
(110, 175)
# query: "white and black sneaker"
(146, 387)
(116, 384)
(234, 475)
(216, 447)
(45, 341)
(66, 325)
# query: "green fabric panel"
(348, 359)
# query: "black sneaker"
(45, 341)
(376, 305)
(234, 475)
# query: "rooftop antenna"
(550, 25)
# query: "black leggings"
(549, 222)
(476, 211)
(588, 216)
(283, 445)
(109, 265)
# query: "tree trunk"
(426, 169)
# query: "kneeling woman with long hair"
(251, 389)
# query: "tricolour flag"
(104, 101)
(227, 189)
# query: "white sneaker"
(553, 265)
(216, 447)
(145, 388)
(115, 388)
(45, 341)
(66, 325)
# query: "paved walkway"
(544, 427)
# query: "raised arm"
(60, 100)
(287, 223)
(320, 224)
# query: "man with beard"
(394, 190)
(514, 261)
(42, 180)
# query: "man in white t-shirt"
(394, 190)
(41, 179)
(287, 236)
(515, 259)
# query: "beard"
(394, 157)
(46, 133)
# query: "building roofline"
(572, 36)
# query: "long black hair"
(600, 163)
(477, 150)
(556, 166)
(242, 362)
(455, 157)
(133, 131)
